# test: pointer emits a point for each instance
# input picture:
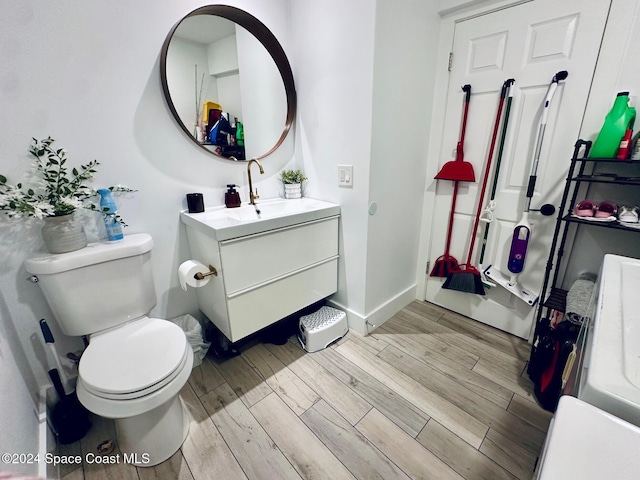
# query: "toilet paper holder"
(201, 276)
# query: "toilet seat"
(116, 365)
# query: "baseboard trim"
(364, 324)
(354, 319)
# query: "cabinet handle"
(276, 230)
(280, 277)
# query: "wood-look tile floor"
(430, 394)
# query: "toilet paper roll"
(186, 273)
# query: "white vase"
(62, 234)
(197, 133)
(292, 190)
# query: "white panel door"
(530, 43)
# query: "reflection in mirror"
(226, 90)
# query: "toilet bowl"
(134, 367)
(115, 381)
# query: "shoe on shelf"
(585, 208)
(628, 214)
(606, 209)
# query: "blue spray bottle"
(107, 205)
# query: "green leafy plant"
(58, 191)
(292, 176)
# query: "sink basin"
(272, 208)
(224, 223)
(612, 365)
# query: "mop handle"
(474, 232)
(459, 157)
(534, 168)
(503, 136)
(543, 124)
(460, 147)
(451, 213)
(494, 186)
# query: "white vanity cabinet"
(267, 275)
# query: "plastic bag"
(193, 331)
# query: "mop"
(467, 278)
(487, 213)
(522, 231)
(457, 170)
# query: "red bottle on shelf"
(625, 145)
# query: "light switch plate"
(345, 175)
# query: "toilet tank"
(99, 286)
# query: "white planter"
(63, 234)
(292, 190)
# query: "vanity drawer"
(259, 307)
(255, 259)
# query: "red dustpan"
(459, 171)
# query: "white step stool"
(320, 329)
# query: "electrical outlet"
(345, 175)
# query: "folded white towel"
(579, 296)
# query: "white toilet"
(134, 367)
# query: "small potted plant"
(292, 180)
(55, 197)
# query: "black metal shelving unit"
(554, 298)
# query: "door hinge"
(428, 270)
(450, 61)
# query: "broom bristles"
(466, 279)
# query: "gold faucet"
(253, 196)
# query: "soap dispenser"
(232, 197)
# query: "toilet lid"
(133, 358)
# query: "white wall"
(372, 111)
(87, 73)
(264, 101)
(223, 66)
(333, 70)
(223, 56)
(183, 56)
(405, 53)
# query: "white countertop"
(224, 223)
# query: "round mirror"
(228, 83)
